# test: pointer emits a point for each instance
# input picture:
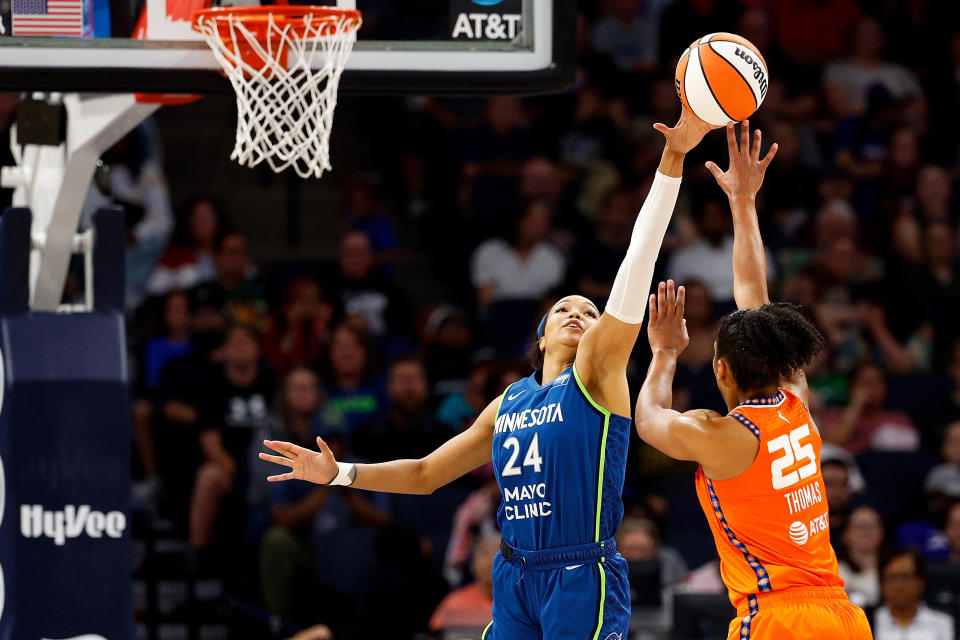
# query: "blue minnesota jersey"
(559, 459)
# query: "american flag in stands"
(47, 17)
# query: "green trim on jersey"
(483, 635)
(603, 449)
(603, 597)
(503, 397)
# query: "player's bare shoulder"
(731, 447)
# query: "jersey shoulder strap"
(757, 414)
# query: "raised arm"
(605, 349)
(720, 444)
(452, 459)
(741, 182)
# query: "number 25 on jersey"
(798, 461)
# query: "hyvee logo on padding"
(35, 521)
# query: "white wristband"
(346, 474)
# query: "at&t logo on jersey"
(35, 521)
(798, 533)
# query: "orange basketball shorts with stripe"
(803, 613)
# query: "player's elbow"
(643, 418)
(427, 479)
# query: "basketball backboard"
(415, 46)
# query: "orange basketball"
(722, 78)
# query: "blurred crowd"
(512, 202)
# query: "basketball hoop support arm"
(52, 181)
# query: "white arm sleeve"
(628, 297)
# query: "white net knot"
(285, 104)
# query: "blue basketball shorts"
(573, 593)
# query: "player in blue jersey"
(558, 441)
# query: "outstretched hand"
(746, 171)
(686, 134)
(319, 467)
(667, 328)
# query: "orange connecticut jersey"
(770, 522)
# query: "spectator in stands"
(695, 366)
(400, 591)
(943, 284)
(175, 420)
(836, 484)
(934, 194)
(470, 607)
(866, 423)
(901, 297)
(236, 289)
(686, 17)
(708, 259)
(447, 343)
(459, 409)
(132, 177)
(590, 141)
(952, 531)
(357, 289)
(947, 407)
(903, 615)
(791, 182)
(353, 394)
(627, 32)
(475, 518)
(813, 31)
(298, 334)
(846, 83)
(159, 350)
(493, 152)
(943, 481)
(859, 556)
(189, 260)
(406, 429)
(174, 343)
(234, 407)
(366, 212)
(639, 541)
(861, 141)
(298, 511)
(542, 179)
(510, 276)
(596, 259)
(896, 358)
(897, 181)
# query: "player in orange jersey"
(759, 479)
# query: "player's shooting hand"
(319, 467)
(686, 134)
(745, 175)
(667, 328)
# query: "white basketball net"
(284, 107)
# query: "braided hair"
(763, 346)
